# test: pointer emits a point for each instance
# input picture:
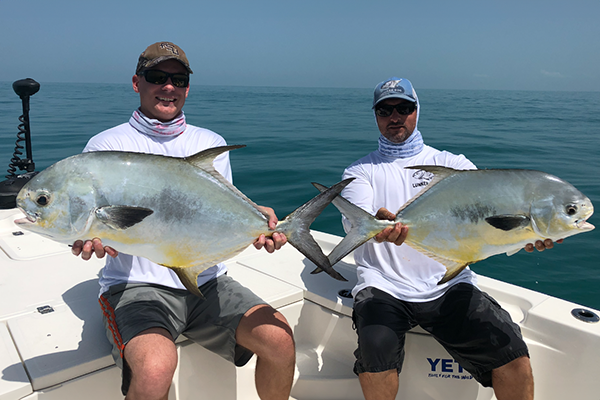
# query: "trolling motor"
(9, 188)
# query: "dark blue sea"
(295, 136)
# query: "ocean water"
(295, 136)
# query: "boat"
(53, 344)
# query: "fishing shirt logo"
(422, 177)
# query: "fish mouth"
(30, 218)
(584, 225)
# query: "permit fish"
(178, 212)
(466, 216)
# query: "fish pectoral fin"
(189, 277)
(122, 217)
(508, 222)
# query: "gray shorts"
(470, 324)
(132, 308)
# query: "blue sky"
(437, 44)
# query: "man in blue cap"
(398, 287)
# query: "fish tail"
(189, 279)
(364, 227)
(296, 227)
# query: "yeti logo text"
(445, 368)
(169, 47)
(445, 365)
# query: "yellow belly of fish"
(468, 245)
(181, 252)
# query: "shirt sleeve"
(106, 141)
(448, 159)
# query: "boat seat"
(68, 340)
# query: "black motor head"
(26, 87)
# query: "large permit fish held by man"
(177, 212)
(463, 217)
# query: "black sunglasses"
(159, 77)
(385, 110)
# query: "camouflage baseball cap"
(159, 52)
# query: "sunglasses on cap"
(385, 110)
(158, 77)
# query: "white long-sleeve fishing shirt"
(382, 181)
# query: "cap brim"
(158, 60)
(395, 96)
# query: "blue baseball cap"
(397, 88)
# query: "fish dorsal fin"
(453, 267)
(439, 174)
(204, 160)
(122, 217)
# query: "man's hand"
(274, 242)
(396, 234)
(90, 247)
(541, 246)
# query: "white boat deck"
(53, 344)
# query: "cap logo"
(395, 85)
(170, 48)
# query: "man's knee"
(152, 358)
(278, 340)
(266, 332)
(155, 368)
(378, 339)
(520, 366)
(518, 370)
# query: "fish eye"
(43, 199)
(571, 209)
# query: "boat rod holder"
(24, 88)
(585, 315)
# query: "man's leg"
(381, 323)
(152, 358)
(140, 316)
(379, 385)
(266, 333)
(514, 380)
(479, 334)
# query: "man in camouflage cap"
(145, 306)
